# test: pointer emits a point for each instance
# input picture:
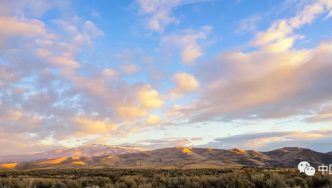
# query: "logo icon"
(305, 167)
(310, 171)
(302, 165)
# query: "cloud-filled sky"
(249, 74)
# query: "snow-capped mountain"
(87, 151)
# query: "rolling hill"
(184, 157)
(83, 151)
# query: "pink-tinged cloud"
(264, 141)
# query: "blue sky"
(165, 73)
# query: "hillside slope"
(185, 157)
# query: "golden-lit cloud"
(130, 112)
(184, 83)
(281, 45)
(153, 119)
(94, 126)
(99, 140)
(150, 99)
(281, 29)
(260, 72)
(174, 110)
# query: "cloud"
(278, 31)
(98, 140)
(24, 147)
(64, 62)
(280, 46)
(58, 99)
(147, 59)
(6, 75)
(109, 73)
(35, 8)
(329, 15)
(323, 114)
(160, 143)
(137, 54)
(282, 29)
(153, 120)
(129, 68)
(79, 33)
(253, 95)
(174, 110)
(91, 126)
(91, 94)
(120, 98)
(26, 28)
(130, 112)
(91, 29)
(95, 13)
(246, 81)
(249, 24)
(184, 83)
(155, 74)
(187, 41)
(309, 13)
(159, 12)
(195, 139)
(43, 52)
(150, 98)
(265, 141)
(18, 121)
(57, 90)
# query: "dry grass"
(172, 178)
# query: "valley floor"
(172, 178)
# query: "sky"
(248, 74)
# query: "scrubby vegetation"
(177, 178)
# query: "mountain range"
(100, 156)
(82, 151)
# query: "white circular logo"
(302, 165)
(310, 171)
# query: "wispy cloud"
(249, 24)
(188, 42)
(264, 141)
(159, 13)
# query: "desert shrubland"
(172, 178)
